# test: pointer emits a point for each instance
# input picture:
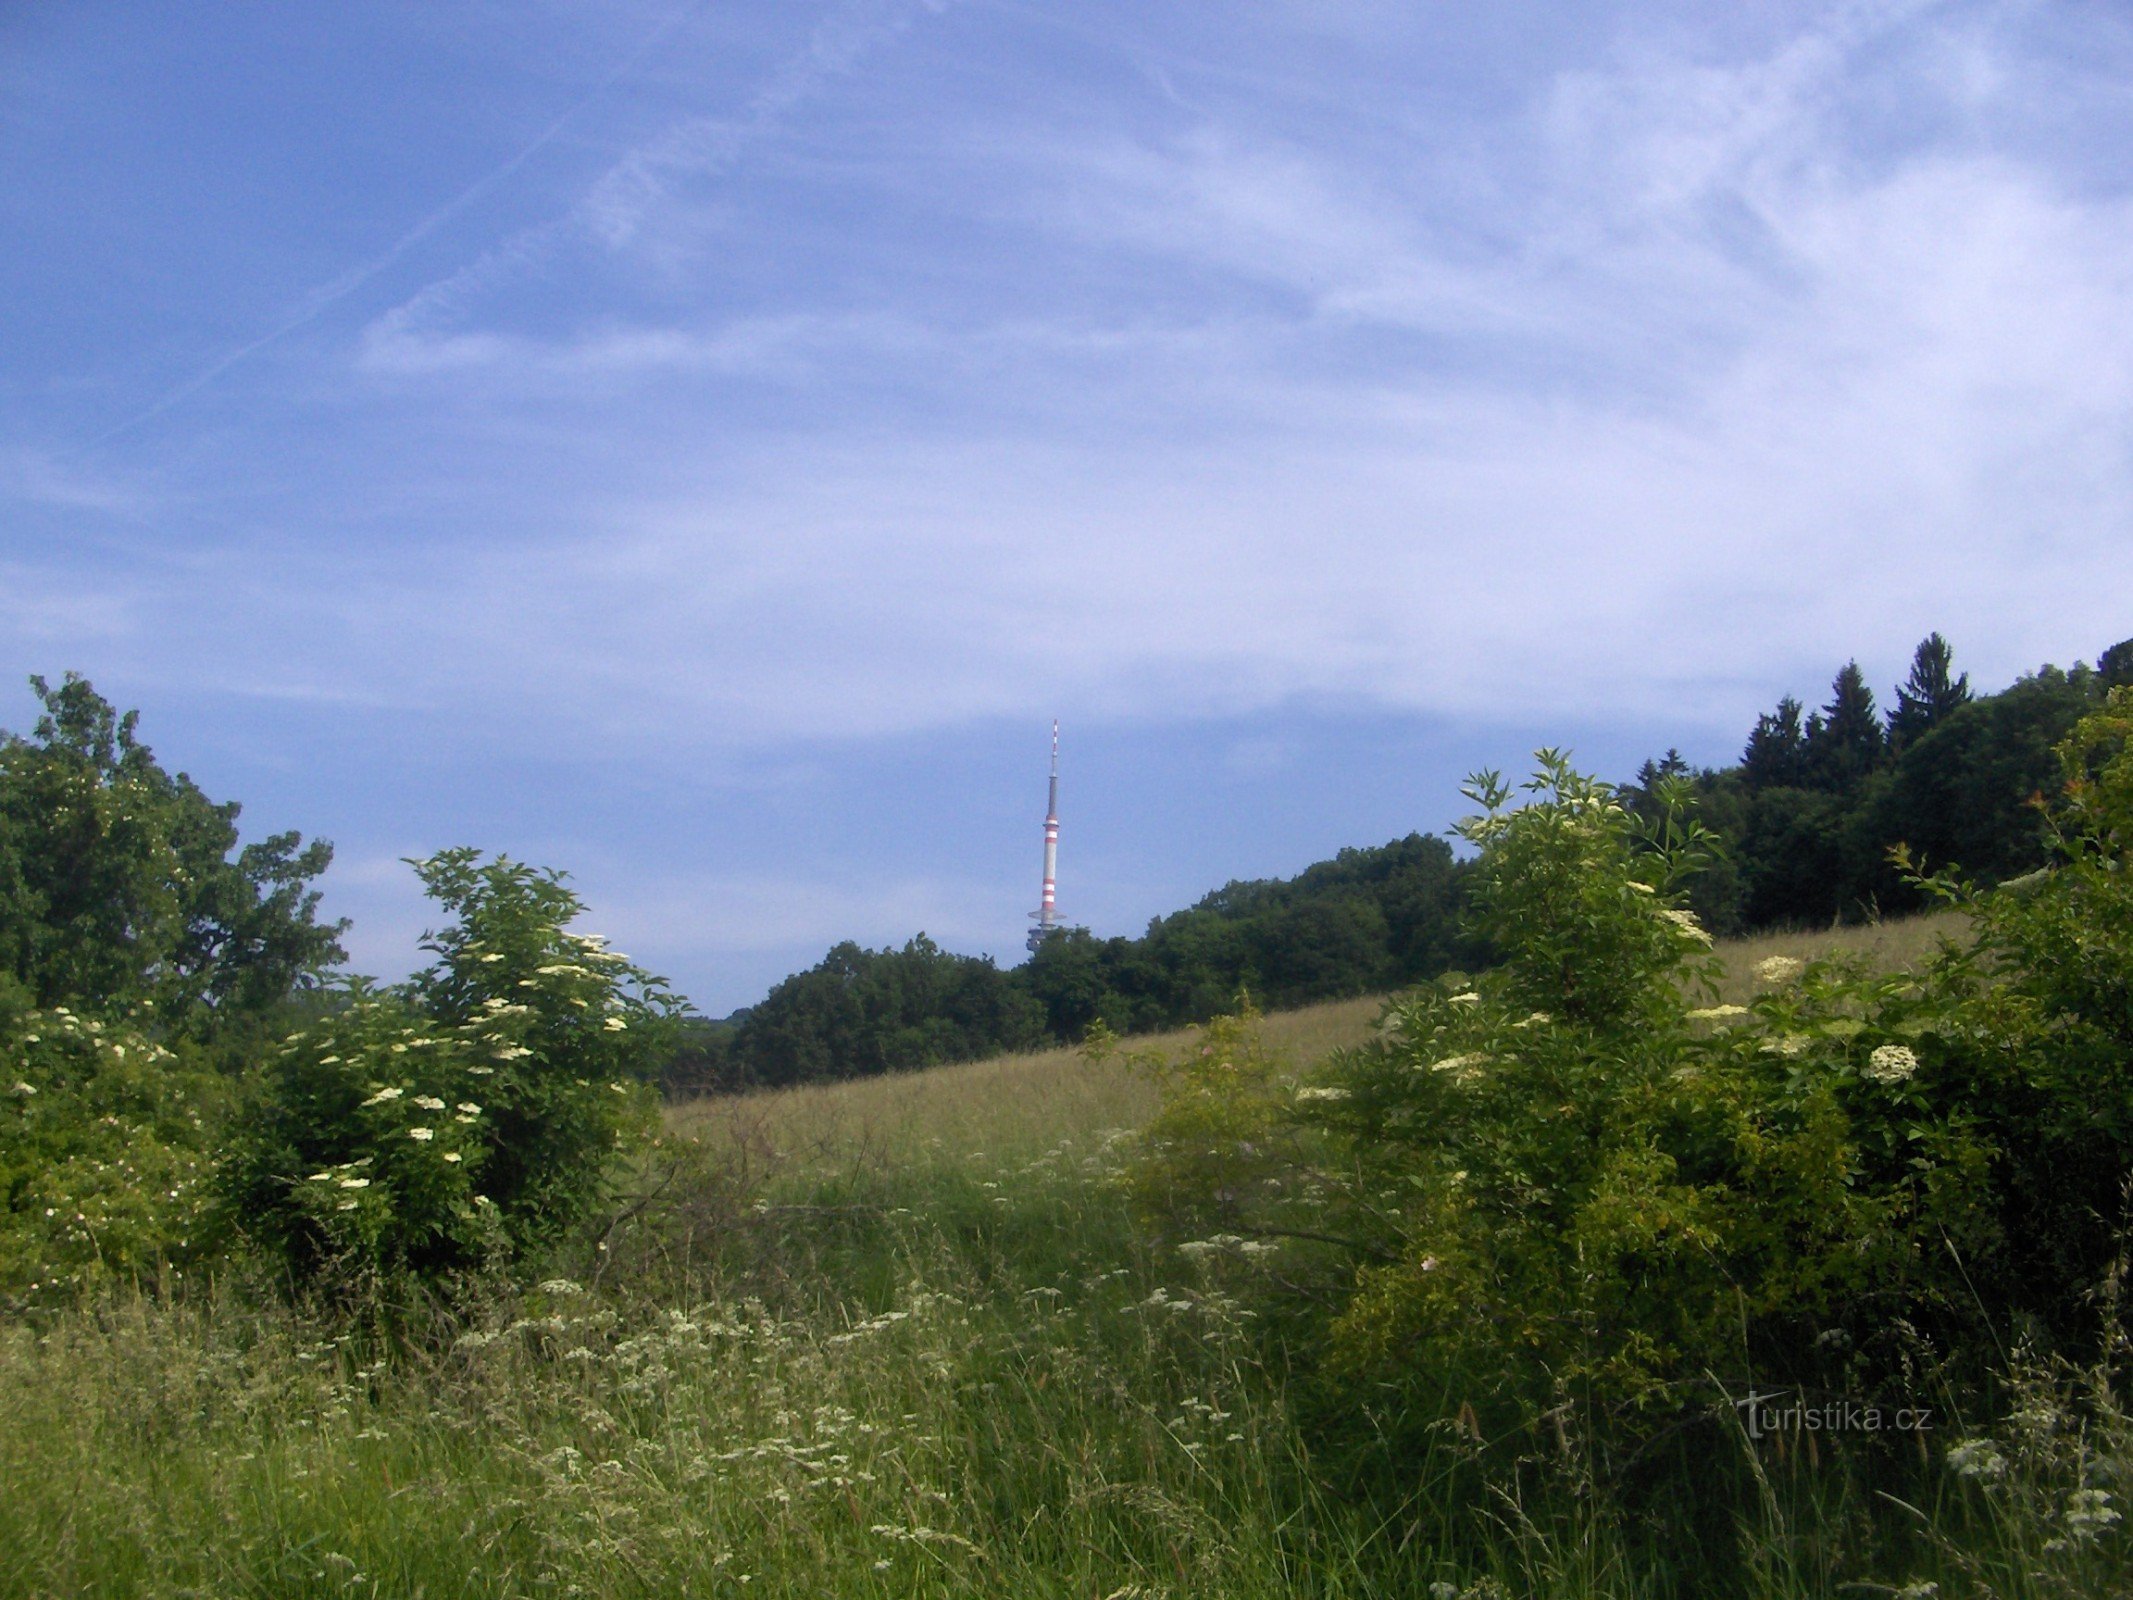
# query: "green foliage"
(1358, 924)
(1363, 922)
(104, 1154)
(1583, 919)
(1845, 740)
(2115, 665)
(1809, 816)
(123, 885)
(1221, 1132)
(475, 1112)
(1568, 1199)
(860, 1012)
(2050, 1031)
(1929, 693)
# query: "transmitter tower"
(1046, 916)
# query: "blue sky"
(701, 447)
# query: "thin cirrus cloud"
(1711, 333)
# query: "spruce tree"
(1776, 757)
(1845, 742)
(1930, 693)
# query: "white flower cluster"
(1891, 1063)
(1777, 969)
(1687, 923)
(1463, 1067)
(1977, 1459)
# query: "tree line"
(1803, 824)
(1366, 921)
(1807, 821)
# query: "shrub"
(1576, 1200)
(474, 1113)
(103, 1152)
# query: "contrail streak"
(328, 294)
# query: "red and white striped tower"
(1046, 916)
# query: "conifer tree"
(1930, 693)
(1845, 742)
(1776, 757)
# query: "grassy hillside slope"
(1014, 1105)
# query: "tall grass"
(889, 1338)
(985, 1392)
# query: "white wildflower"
(1777, 969)
(1714, 1013)
(1467, 998)
(451, 1155)
(1686, 922)
(470, 1108)
(355, 1183)
(1787, 1045)
(1321, 1092)
(422, 1135)
(615, 1025)
(383, 1095)
(428, 1102)
(1891, 1063)
(322, 1177)
(561, 1286)
(348, 1205)
(2088, 1514)
(25, 1088)
(1464, 1063)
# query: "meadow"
(892, 1337)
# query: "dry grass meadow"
(1011, 1107)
